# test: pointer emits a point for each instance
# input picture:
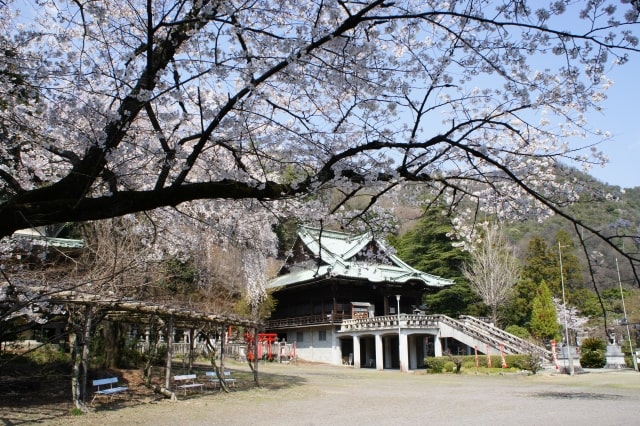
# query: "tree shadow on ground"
(30, 399)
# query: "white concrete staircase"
(474, 332)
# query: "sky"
(621, 117)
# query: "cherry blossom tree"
(260, 108)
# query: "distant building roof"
(323, 253)
(48, 236)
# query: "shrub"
(449, 366)
(469, 365)
(593, 344)
(518, 331)
(47, 353)
(435, 364)
(528, 362)
(592, 359)
(592, 353)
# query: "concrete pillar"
(337, 348)
(387, 352)
(379, 353)
(437, 345)
(413, 353)
(356, 351)
(404, 352)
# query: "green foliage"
(47, 354)
(179, 276)
(586, 302)
(131, 357)
(544, 320)
(526, 362)
(592, 353)
(593, 359)
(571, 268)
(449, 366)
(435, 364)
(428, 247)
(287, 231)
(518, 331)
(540, 263)
(518, 311)
(454, 301)
(76, 412)
(593, 344)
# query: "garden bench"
(105, 387)
(187, 381)
(213, 378)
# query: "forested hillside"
(592, 288)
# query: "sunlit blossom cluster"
(326, 101)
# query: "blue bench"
(105, 387)
(187, 381)
(213, 378)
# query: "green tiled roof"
(341, 255)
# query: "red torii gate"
(263, 338)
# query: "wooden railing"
(274, 324)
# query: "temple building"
(332, 280)
(346, 299)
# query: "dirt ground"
(313, 394)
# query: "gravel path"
(330, 395)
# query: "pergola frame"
(143, 312)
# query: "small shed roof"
(320, 253)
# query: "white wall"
(311, 348)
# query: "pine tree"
(428, 247)
(544, 320)
(540, 263)
(571, 269)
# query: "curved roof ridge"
(337, 250)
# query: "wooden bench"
(105, 387)
(187, 381)
(213, 378)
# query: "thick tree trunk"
(76, 359)
(256, 362)
(212, 358)
(167, 381)
(86, 342)
(148, 368)
(80, 349)
(192, 354)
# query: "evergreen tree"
(540, 262)
(544, 319)
(518, 311)
(428, 247)
(571, 268)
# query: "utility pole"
(564, 308)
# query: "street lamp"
(564, 304)
(626, 321)
(399, 349)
